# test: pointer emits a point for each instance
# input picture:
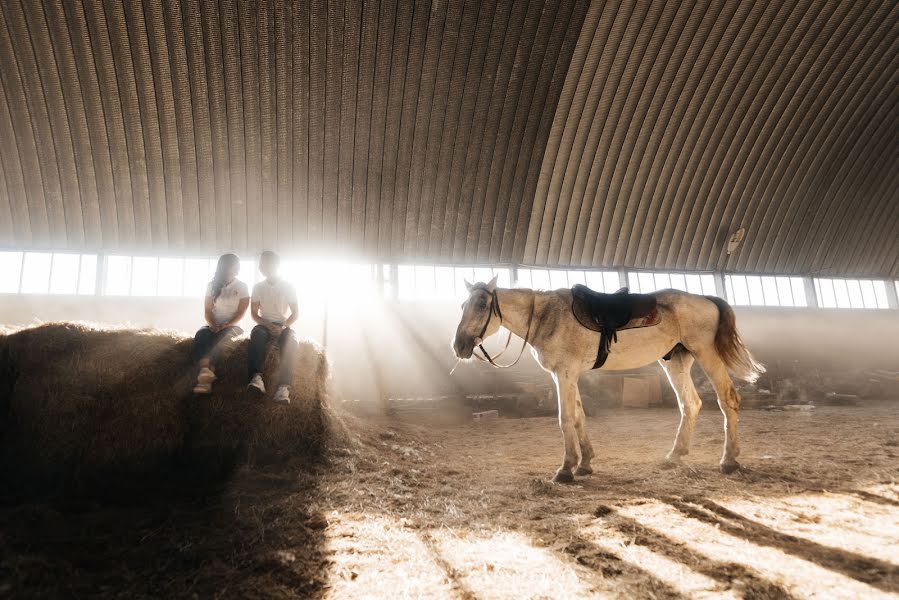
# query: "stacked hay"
(96, 406)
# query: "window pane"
(118, 275)
(171, 277)
(558, 279)
(405, 278)
(741, 290)
(445, 283)
(36, 272)
(708, 284)
(463, 274)
(524, 278)
(64, 273)
(503, 277)
(869, 298)
(855, 294)
(143, 276)
(196, 277)
(633, 282)
(798, 288)
(842, 293)
(424, 282)
(647, 283)
(87, 280)
(541, 279)
(756, 296)
(826, 293)
(595, 280)
(679, 282)
(611, 281)
(769, 287)
(248, 272)
(10, 271)
(784, 293)
(694, 284)
(576, 277)
(482, 274)
(729, 289)
(880, 292)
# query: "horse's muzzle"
(463, 349)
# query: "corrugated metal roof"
(637, 134)
(681, 122)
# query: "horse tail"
(730, 346)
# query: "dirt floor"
(418, 511)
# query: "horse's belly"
(639, 347)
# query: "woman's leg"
(221, 336)
(203, 344)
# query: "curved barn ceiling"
(546, 132)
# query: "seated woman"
(227, 299)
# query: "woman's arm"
(210, 318)
(238, 316)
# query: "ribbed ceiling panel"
(681, 122)
(394, 129)
(550, 132)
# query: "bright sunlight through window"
(754, 290)
(851, 293)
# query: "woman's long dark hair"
(226, 262)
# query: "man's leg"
(288, 343)
(259, 339)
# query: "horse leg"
(728, 402)
(566, 388)
(580, 426)
(678, 371)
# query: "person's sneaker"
(205, 376)
(203, 388)
(282, 396)
(256, 388)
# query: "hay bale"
(88, 405)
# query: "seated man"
(274, 307)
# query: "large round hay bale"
(100, 406)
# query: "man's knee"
(259, 333)
(288, 336)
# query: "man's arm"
(294, 314)
(254, 312)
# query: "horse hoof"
(563, 476)
(583, 471)
(729, 467)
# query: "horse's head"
(477, 323)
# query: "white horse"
(692, 327)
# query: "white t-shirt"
(225, 306)
(274, 299)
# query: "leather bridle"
(495, 310)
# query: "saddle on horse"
(608, 313)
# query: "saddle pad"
(653, 318)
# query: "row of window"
(77, 274)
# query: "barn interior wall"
(403, 350)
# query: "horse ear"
(469, 286)
(492, 284)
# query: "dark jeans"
(207, 342)
(259, 340)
